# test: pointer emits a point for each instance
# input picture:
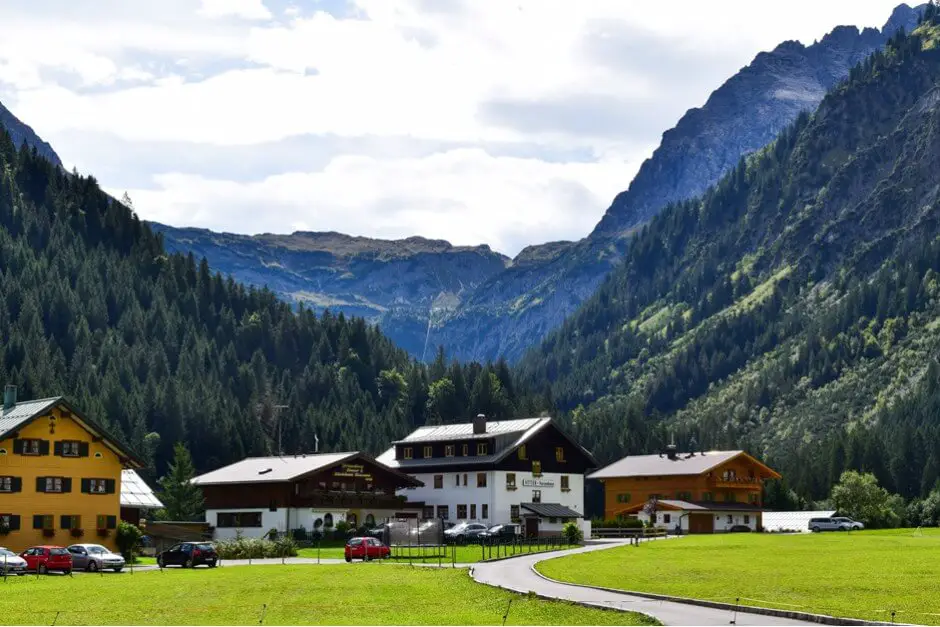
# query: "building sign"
(355, 471)
(538, 483)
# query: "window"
(70, 522)
(730, 519)
(708, 497)
(481, 479)
(536, 469)
(109, 522)
(31, 447)
(464, 450)
(428, 512)
(730, 497)
(559, 454)
(70, 448)
(753, 498)
(43, 521)
(522, 453)
(328, 520)
(428, 452)
(747, 519)
(667, 518)
(438, 482)
(52, 484)
(729, 475)
(97, 486)
(465, 479)
(443, 512)
(461, 512)
(449, 450)
(514, 513)
(10, 521)
(623, 497)
(457, 480)
(565, 487)
(407, 453)
(351, 518)
(481, 448)
(684, 496)
(238, 519)
(484, 511)
(552, 520)
(536, 496)
(510, 481)
(473, 511)
(11, 484)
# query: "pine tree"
(182, 500)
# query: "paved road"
(517, 574)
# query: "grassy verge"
(860, 574)
(466, 554)
(361, 594)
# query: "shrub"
(128, 539)
(573, 533)
(342, 530)
(245, 548)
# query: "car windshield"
(6, 553)
(355, 541)
(96, 549)
(495, 528)
(58, 552)
(204, 546)
(459, 527)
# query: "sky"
(499, 122)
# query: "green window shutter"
(83, 449)
(65, 522)
(110, 485)
(57, 449)
(43, 447)
(40, 484)
(18, 447)
(86, 486)
(66, 484)
(14, 522)
(112, 522)
(17, 484)
(37, 521)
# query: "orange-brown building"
(702, 492)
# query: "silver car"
(853, 525)
(833, 524)
(94, 557)
(11, 563)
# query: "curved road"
(517, 574)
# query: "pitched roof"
(661, 465)
(697, 506)
(136, 493)
(551, 510)
(283, 468)
(23, 413)
(508, 434)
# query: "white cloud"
(540, 74)
(245, 9)
(466, 196)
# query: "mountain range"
(480, 305)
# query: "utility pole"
(276, 414)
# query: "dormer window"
(407, 453)
(559, 454)
(465, 450)
(449, 450)
(522, 453)
(481, 448)
(428, 452)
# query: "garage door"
(701, 523)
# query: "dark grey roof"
(464, 431)
(551, 510)
(704, 506)
(23, 412)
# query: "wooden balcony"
(735, 482)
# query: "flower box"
(48, 533)
(78, 533)
(103, 533)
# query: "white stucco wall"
(722, 521)
(269, 520)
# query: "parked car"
(11, 563)
(366, 549)
(853, 525)
(739, 529)
(189, 555)
(464, 532)
(426, 530)
(43, 559)
(94, 557)
(830, 524)
(500, 532)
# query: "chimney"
(671, 451)
(9, 397)
(479, 424)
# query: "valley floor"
(868, 575)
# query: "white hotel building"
(521, 471)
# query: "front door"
(701, 523)
(531, 527)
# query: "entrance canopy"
(550, 510)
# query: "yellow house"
(60, 475)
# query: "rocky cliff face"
(477, 304)
(20, 132)
(401, 284)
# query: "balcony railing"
(734, 482)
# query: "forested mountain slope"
(92, 307)
(476, 303)
(794, 306)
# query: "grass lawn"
(466, 554)
(860, 574)
(358, 594)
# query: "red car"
(42, 559)
(366, 549)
